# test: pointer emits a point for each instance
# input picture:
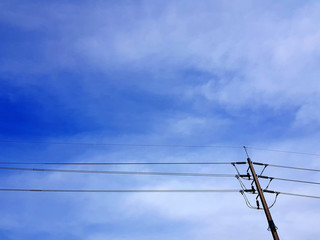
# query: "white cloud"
(308, 115)
(188, 124)
(273, 52)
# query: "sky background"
(227, 73)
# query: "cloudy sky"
(205, 73)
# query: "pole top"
(245, 149)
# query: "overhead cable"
(151, 145)
(119, 172)
(120, 163)
(288, 180)
(118, 144)
(119, 191)
(284, 151)
(292, 194)
(145, 191)
(281, 166)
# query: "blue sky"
(153, 72)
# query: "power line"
(292, 194)
(152, 145)
(120, 163)
(145, 191)
(288, 180)
(120, 172)
(117, 144)
(119, 191)
(284, 151)
(281, 166)
(300, 195)
(149, 173)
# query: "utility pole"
(263, 201)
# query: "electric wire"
(145, 191)
(119, 191)
(270, 180)
(120, 163)
(289, 180)
(274, 201)
(289, 167)
(154, 145)
(247, 177)
(284, 151)
(118, 144)
(247, 200)
(119, 172)
(293, 194)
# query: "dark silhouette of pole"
(263, 201)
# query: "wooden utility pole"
(263, 201)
